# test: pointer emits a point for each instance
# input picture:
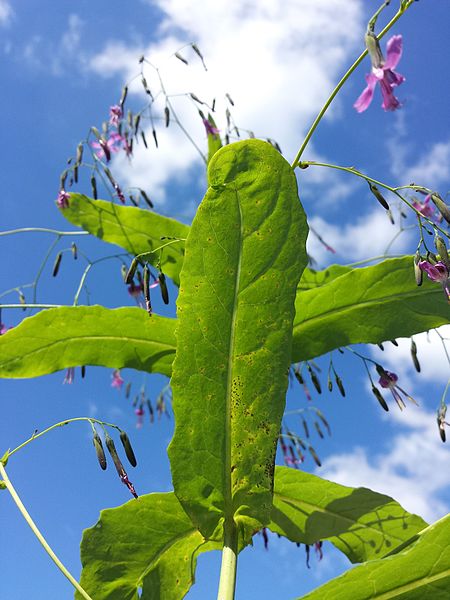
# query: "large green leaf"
(244, 257)
(131, 228)
(368, 305)
(88, 335)
(149, 544)
(361, 523)
(419, 572)
(387, 304)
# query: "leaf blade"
(235, 312)
(148, 543)
(131, 228)
(361, 523)
(368, 305)
(419, 572)
(71, 336)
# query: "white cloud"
(412, 468)
(368, 236)
(6, 12)
(278, 61)
(432, 168)
(430, 351)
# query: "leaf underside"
(361, 523)
(243, 259)
(419, 572)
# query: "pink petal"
(364, 100)
(394, 79)
(394, 49)
(390, 102)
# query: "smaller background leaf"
(361, 523)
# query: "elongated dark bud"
(414, 355)
(442, 207)
(128, 448)
(167, 115)
(378, 395)
(146, 199)
(94, 187)
(97, 440)
(131, 271)
(146, 282)
(74, 251)
(315, 457)
(314, 379)
(376, 192)
(163, 287)
(57, 264)
(119, 466)
(340, 386)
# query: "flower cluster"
(439, 273)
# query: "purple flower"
(115, 114)
(388, 380)
(117, 381)
(105, 147)
(70, 375)
(382, 73)
(210, 129)
(438, 273)
(62, 201)
(4, 329)
(427, 209)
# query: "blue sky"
(62, 66)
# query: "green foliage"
(421, 571)
(368, 305)
(149, 543)
(64, 337)
(244, 257)
(361, 523)
(131, 228)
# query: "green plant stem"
(394, 190)
(38, 534)
(227, 582)
(333, 94)
(60, 424)
(23, 306)
(42, 230)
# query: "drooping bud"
(314, 379)
(183, 60)
(230, 100)
(22, 299)
(196, 98)
(442, 250)
(199, 54)
(94, 187)
(163, 287)
(167, 115)
(442, 207)
(330, 384)
(441, 421)
(57, 264)
(394, 343)
(131, 271)
(314, 455)
(144, 139)
(378, 395)
(373, 49)
(418, 273)
(414, 355)
(298, 377)
(137, 120)
(98, 445)
(124, 96)
(119, 466)
(376, 192)
(305, 427)
(319, 431)
(128, 448)
(154, 137)
(324, 421)
(79, 153)
(83, 371)
(96, 132)
(127, 390)
(146, 198)
(74, 250)
(146, 282)
(340, 385)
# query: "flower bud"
(131, 271)
(314, 379)
(373, 49)
(442, 250)
(167, 115)
(144, 139)
(128, 448)
(442, 207)
(340, 385)
(94, 187)
(319, 431)
(163, 287)
(378, 395)
(414, 355)
(146, 199)
(154, 137)
(376, 192)
(418, 273)
(183, 60)
(74, 250)
(97, 440)
(57, 264)
(314, 455)
(305, 428)
(124, 96)
(146, 284)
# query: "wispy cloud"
(6, 12)
(278, 61)
(412, 468)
